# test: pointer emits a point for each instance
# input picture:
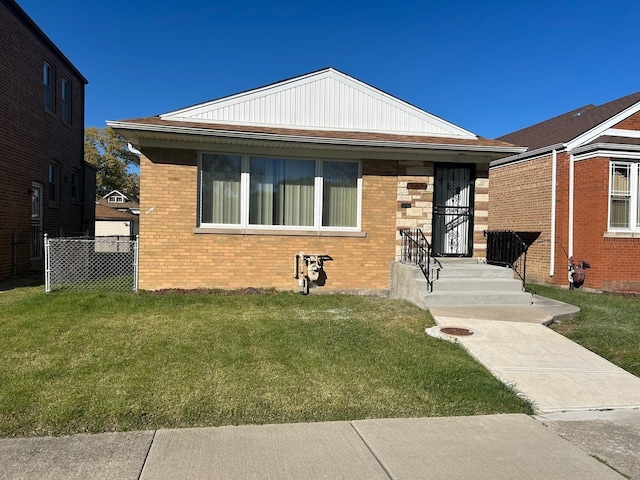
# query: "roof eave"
(137, 127)
(527, 154)
(606, 147)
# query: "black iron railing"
(505, 247)
(416, 250)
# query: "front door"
(453, 211)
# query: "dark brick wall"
(32, 138)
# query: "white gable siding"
(325, 100)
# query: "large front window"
(258, 192)
(624, 196)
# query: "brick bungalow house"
(232, 189)
(578, 185)
(45, 185)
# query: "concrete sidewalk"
(480, 447)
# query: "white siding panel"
(323, 100)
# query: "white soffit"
(322, 100)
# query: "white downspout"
(554, 172)
(571, 172)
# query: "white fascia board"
(618, 150)
(115, 191)
(523, 155)
(132, 127)
(600, 130)
(619, 132)
(194, 113)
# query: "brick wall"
(520, 200)
(630, 123)
(614, 260)
(481, 211)
(173, 256)
(32, 138)
(414, 199)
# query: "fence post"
(135, 264)
(47, 264)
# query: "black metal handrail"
(416, 250)
(505, 247)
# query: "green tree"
(108, 152)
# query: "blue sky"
(490, 66)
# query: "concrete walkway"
(553, 372)
(572, 437)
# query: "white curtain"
(282, 192)
(340, 194)
(220, 189)
(296, 193)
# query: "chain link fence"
(91, 263)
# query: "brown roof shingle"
(106, 213)
(337, 134)
(566, 127)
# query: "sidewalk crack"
(380, 462)
(146, 456)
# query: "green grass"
(95, 362)
(608, 325)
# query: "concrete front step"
(475, 270)
(474, 284)
(465, 282)
(462, 298)
(462, 289)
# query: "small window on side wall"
(66, 101)
(48, 83)
(624, 196)
(75, 186)
(53, 183)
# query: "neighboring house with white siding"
(117, 214)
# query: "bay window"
(624, 192)
(289, 193)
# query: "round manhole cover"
(462, 332)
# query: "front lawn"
(93, 362)
(608, 325)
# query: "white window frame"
(245, 190)
(634, 200)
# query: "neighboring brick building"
(45, 186)
(233, 189)
(579, 186)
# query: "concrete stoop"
(459, 283)
(467, 282)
